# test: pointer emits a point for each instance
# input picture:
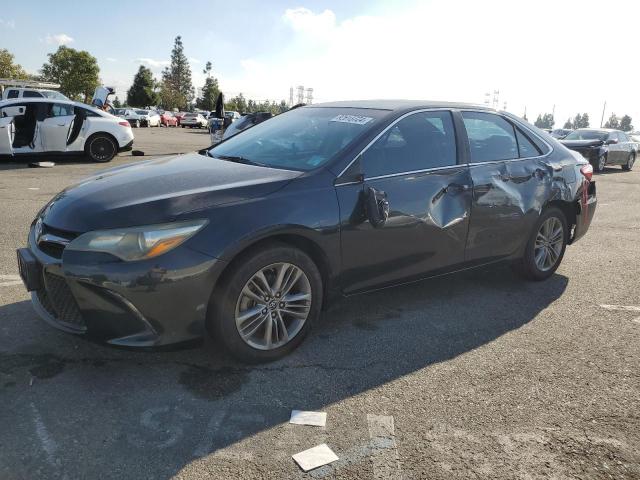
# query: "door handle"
(455, 188)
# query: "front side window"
(60, 110)
(300, 139)
(418, 142)
(491, 137)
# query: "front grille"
(56, 298)
(53, 241)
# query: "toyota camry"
(249, 239)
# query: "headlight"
(137, 243)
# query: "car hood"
(158, 191)
(582, 143)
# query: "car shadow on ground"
(157, 412)
(59, 160)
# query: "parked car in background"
(16, 92)
(179, 116)
(250, 238)
(635, 140)
(168, 120)
(194, 120)
(560, 133)
(232, 115)
(148, 118)
(602, 147)
(131, 116)
(40, 126)
(245, 122)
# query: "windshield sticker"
(351, 119)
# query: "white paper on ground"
(316, 419)
(315, 457)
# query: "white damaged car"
(43, 126)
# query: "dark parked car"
(560, 132)
(250, 238)
(603, 147)
(247, 121)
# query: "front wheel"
(545, 249)
(101, 148)
(630, 161)
(267, 304)
(599, 164)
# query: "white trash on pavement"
(315, 457)
(316, 419)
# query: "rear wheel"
(101, 148)
(267, 304)
(630, 161)
(545, 248)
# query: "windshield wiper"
(238, 159)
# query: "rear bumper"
(126, 147)
(129, 304)
(586, 208)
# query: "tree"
(568, 124)
(282, 107)
(75, 70)
(8, 69)
(613, 122)
(176, 90)
(210, 90)
(117, 103)
(579, 121)
(625, 124)
(545, 121)
(142, 93)
(239, 104)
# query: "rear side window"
(418, 142)
(12, 94)
(31, 94)
(491, 137)
(525, 147)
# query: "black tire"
(527, 266)
(630, 161)
(101, 147)
(221, 323)
(599, 164)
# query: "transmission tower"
(309, 96)
(300, 94)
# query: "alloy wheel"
(549, 242)
(102, 149)
(273, 306)
(631, 161)
(601, 163)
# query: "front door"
(56, 127)
(6, 136)
(506, 177)
(409, 216)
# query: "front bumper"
(148, 303)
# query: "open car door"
(55, 131)
(7, 134)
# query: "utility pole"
(603, 109)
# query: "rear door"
(507, 174)
(626, 147)
(56, 127)
(6, 135)
(409, 216)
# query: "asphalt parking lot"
(476, 375)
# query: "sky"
(541, 55)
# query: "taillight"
(124, 124)
(587, 171)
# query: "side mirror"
(376, 206)
(612, 141)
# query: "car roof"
(43, 100)
(393, 105)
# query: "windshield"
(191, 115)
(301, 139)
(587, 135)
(54, 95)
